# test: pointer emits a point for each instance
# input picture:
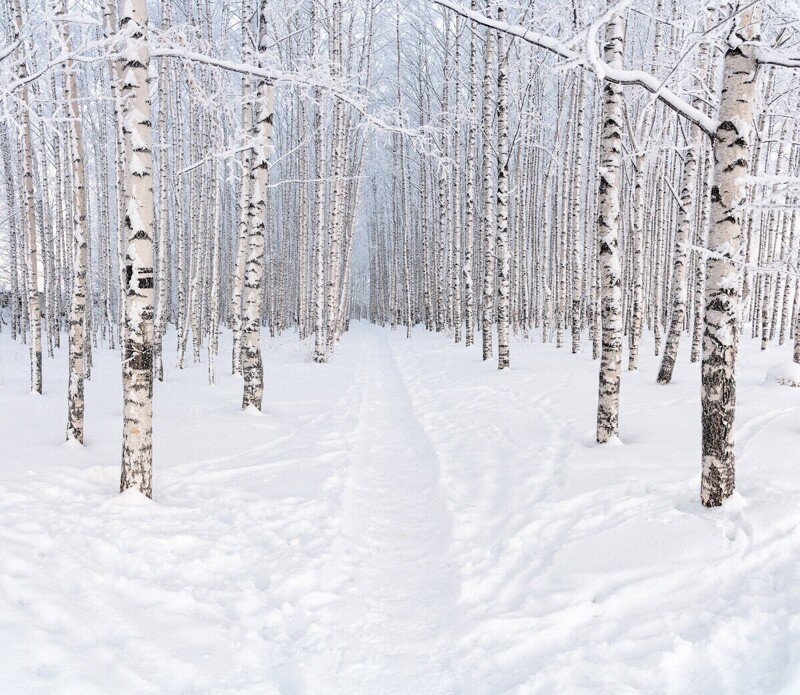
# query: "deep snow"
(405, 519)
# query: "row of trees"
(305, 163)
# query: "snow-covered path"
(395, 537)
(405, 519)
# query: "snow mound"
(785, 374)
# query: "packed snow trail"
(395, 537)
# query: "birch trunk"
(137, 379)
(503, 269)
(252, 367)
(244, 201)
(608, 224)
(575, 218)
(472, 147)
(720, 338)
(685, 219)
(77, 314)
(29, 213)
(488, 216)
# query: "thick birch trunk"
(731, 162)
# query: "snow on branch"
(590, 58)
(772, 57)
(278, 76)
(787, 267)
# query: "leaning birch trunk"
(29, 198)
(731, 162)
(77, 314)
(502, 199)
(608, 224)
(679, 291)
(252, 368)
(137, 373)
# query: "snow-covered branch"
(591, 59)
(772, 57)
(280, 76)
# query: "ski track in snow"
(405, 519)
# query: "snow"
(785, 374)
(405, 519)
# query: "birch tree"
(252, 367)
(77, 315)
(137, 377)
(720, 338)
(29, 202)
(608, 230)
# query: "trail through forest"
(395, 540)
(406, 518)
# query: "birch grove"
(619, 178)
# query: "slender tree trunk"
(77, 315)
(29, 213)
(503, 268)
(163, 208)
(608, 223)
(575, 218)
(244, 203)
(252, 368)
(472, 151)
(679, 291)
(488, 212)
(137, 433)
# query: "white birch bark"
(244, 200)
(162, 220)
(488, 211)
(731, 161)
(137, 433)
(29, 213)
(575, 212)
(472, 151)
(252, 368)
(503, 266)
(608, 224)
(682, 240)
(77, 315)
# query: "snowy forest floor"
(405, 519)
